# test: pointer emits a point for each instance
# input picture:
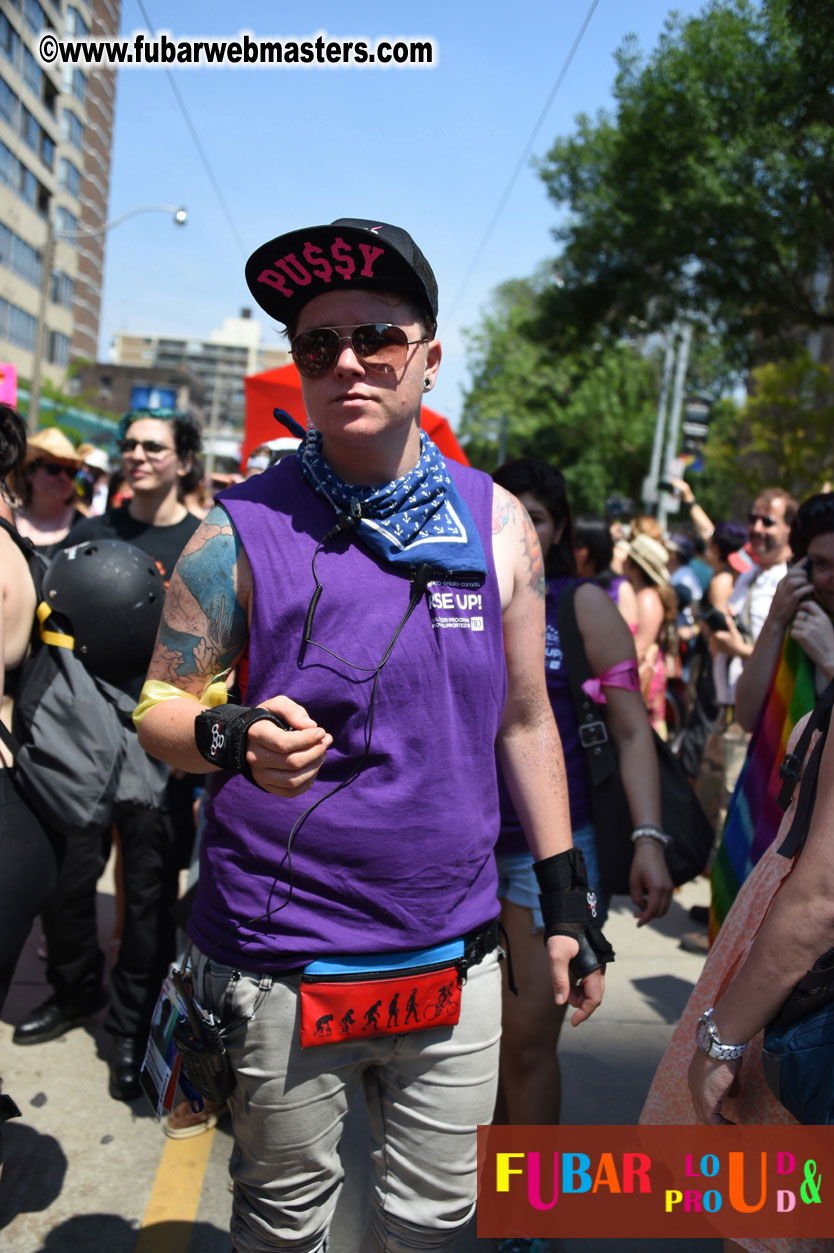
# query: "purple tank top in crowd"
(613, 588)
(511, 839)
(403, 856)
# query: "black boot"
(125, 1061)
(55, 1017)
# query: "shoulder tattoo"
(502, 506)
(533, 559)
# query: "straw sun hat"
(650, 556)
(51, 444)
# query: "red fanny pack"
(356, 998)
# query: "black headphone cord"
(419, 585)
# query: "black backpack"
(71, 732)
(682, 816)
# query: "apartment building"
(56, 130)
(220, 362)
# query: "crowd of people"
(361, 695)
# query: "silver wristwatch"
(709, 1042)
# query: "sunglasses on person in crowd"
(764, 518)
(54, 468)
(149, 446)
(380, 347)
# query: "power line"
(522, 161)
(197, 143)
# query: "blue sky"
(428, 149)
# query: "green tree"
(711, 188)
(783, 435)
(591, 412)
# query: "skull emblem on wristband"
(218, 739)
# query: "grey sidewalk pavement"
(80, 1168)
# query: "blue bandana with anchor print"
(419, 517)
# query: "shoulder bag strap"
(9, 740)
(820, 721)
(23, 542)
(34, 562)
(790, 771)
(37, 565)
(593, 733)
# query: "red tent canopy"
(281, 389)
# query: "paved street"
(86, 1174)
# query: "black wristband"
(563, 872)
(570, 908)
(221, 735)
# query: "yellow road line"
(175, 1195)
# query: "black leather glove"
(221, 735)
(569, 908)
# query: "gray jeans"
(425, 1091)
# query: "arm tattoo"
(501, 511)
(204, 625)
(532, 555)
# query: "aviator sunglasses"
(54, 468)
(764, 518)
(149, 446)
(380, 347)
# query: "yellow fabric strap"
(155, 691)
(44, 611)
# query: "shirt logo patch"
(459, 609)
(552, 649)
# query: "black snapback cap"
(291, 269)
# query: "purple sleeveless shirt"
(613, 588)
(402, 857)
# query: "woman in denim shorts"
(530, 1089)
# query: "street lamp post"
(180, 217)
(681, 366)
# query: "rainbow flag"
(754, 815)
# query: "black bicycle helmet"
(109, 596)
